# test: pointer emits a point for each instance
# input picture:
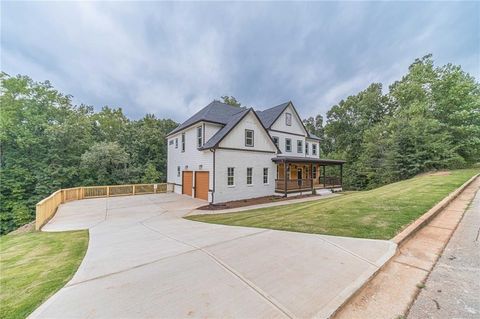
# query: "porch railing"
(305, 184)
(46, 208)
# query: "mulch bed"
(250, 201)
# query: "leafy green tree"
(149, 143)
(150, 174)
(230, 100)
(106, 163)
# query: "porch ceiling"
(294, 159)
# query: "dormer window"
(288, 119)
(314, 149)
(249, 138)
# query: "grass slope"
(379, 213)
(33, 266)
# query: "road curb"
(406, 234)
(423, 220)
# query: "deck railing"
(46, 208)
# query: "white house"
(225, 153)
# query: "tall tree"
(230, 100)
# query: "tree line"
(427, 120)
(47, 143)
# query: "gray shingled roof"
(215, 139)
(313, 136)
(229, 116)
(216, 112)
(269, 116)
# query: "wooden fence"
(47, 207)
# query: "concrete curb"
(407, 233)
(423, 220)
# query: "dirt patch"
(250, 201)
(27, 228)
(439, 173)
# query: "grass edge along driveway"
(35, 265)
(379, 213)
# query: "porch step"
(324, 191)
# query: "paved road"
(453, 287)
(144, 261)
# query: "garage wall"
(240, 160)
(192, 158)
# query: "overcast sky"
(171, 59)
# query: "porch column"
(341, 175)
(285, 178)
(324, 178)
(311, 177)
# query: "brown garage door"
(187, 182)
(201, 185)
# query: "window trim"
(183, 142)
(246, 138)
(286, 149)
(250, 169)
(300, 146)
(288, 119)
(232, 176)
(314, 149)
(266, 176)
(199, 138)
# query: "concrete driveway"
(145, 261)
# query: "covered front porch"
(303, 174)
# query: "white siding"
(240, 160)
(310, 143)
(236, 137)
(192, 158)
(296, 127)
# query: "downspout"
(213, 175)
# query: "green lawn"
(379, 213)
(33, 266)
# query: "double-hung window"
(183, 142)
(176, 142)
(314, 172)
(299, 146)
(249, 138)
(275, 140)
(288, 145)
(265, 175)
(231, 176)
(249, 175)
(199, 137)
(178, 171)
(288, 119)
(306, 147)
(314, 149)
